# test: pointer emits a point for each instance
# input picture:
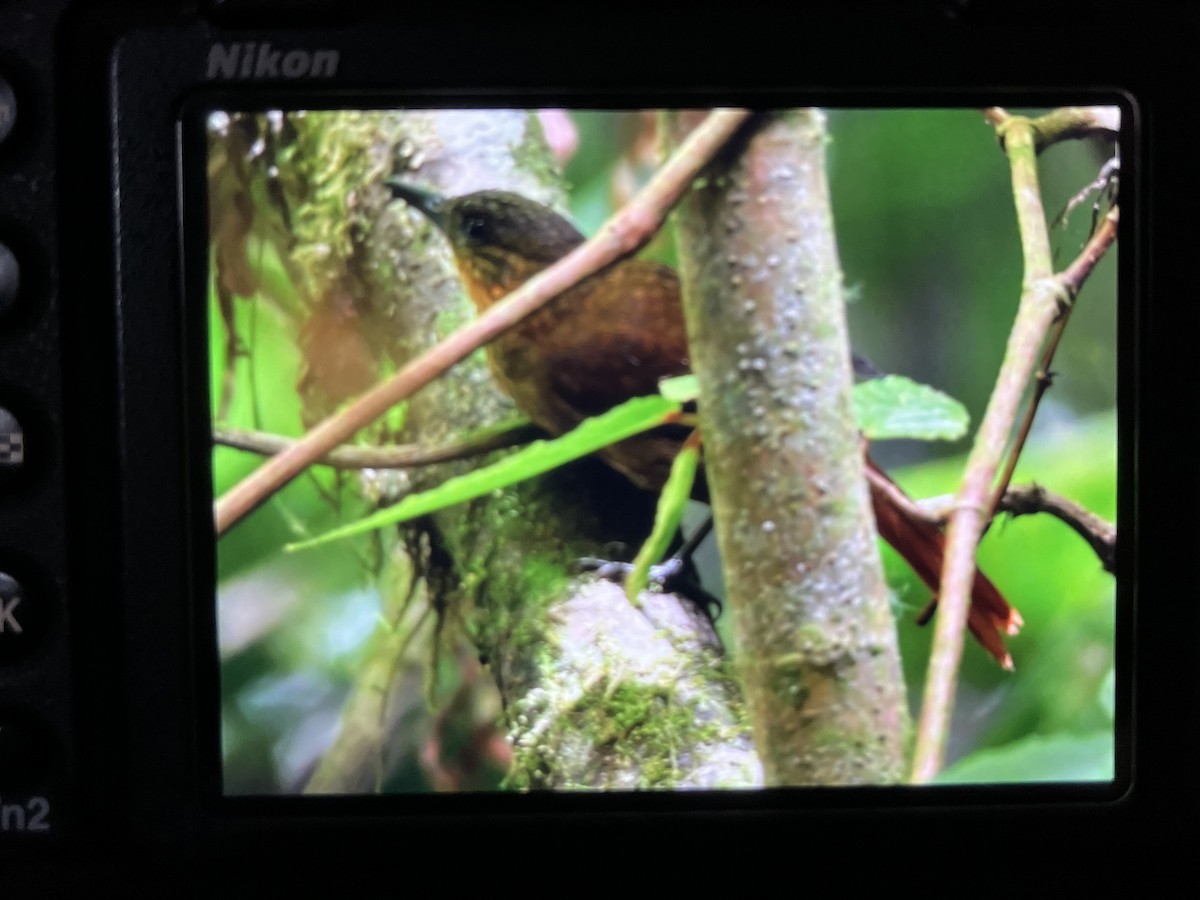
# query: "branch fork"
(1046, 302)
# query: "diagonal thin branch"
(1072, 279)
(622, 235)
(1044, 298)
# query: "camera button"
(12, 445)
(23, 620)
(8, 109)
(10, 279)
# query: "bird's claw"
(668, 575)
(613, 570)
(608, 569)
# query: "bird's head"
(500, 239)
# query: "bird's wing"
(634, 339)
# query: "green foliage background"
(931, 257)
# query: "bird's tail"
(923, 545)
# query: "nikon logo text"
(250, 59)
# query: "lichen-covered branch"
(763, 300)
(1065, 123)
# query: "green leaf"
(626, 420)
(888, 407)
(897, 407)
(1059, 757)
(671, 504)
(681, 388)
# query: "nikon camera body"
(110, 722)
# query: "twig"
(1072, 279)
(1044, 298)
(1100, 534)
(1074, 275)
(622, 235)
(404, 456)
(1063, 124)
(1075, 122)
(1042, 380)
(1105, 183)
(1019, 500)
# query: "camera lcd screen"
(440, 603)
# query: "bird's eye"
(477, 229)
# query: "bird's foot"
(669, 575)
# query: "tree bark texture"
(816, 642)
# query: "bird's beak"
(430, 204)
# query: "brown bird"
(614, 336)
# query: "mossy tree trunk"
(596, 691)
(763, 301)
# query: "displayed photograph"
(663, 449)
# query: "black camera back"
(109, 732)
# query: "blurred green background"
(929, 247)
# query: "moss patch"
(643, 724)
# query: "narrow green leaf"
(681, 388)
(630, 418)
(898, 407)
(671, 504)
(1057, 757)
